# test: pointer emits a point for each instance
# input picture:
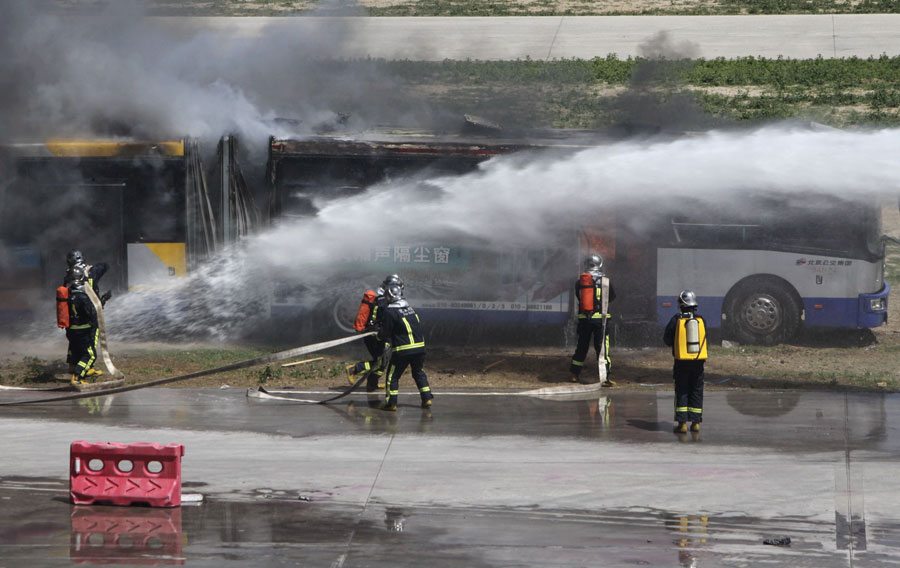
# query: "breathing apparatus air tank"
(586, 292)
(692, 335)
(62, 307)
(365, 311)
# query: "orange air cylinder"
(364, 311)
(586, 292)
(62, 307)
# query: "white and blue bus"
(773, 264)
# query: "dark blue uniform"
(401, 327)
(83, 332)
(688, 376)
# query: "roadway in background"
(584, 37)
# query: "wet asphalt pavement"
(481, 480)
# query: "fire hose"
(279, 356)
(101, 324)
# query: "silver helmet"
(75, 276)
(74, 258)
(393, 293)
(593, 263)
(687, 300)
(392, 279)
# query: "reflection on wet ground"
(40, 528)
(813, 420)
(477, 481)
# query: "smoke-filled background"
(112, 73)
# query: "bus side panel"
(155, 264)
(507, 313)
(710, 308)
(833, 283)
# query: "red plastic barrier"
(124, 474)
(133, 536)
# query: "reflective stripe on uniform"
(412, 339)
(695, 410)
(411, 346)
(387, 385)
(81, 326)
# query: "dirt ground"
(849, 360)
(858, 360)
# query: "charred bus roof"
(476, 139)
(391, 147)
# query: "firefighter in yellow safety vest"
(686, 335)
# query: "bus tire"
(763, 312)
(343, 313)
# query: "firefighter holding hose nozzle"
(593, 293)
(686, 335)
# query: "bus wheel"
(343, 313)
(763, 313)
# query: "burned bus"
(763, 269)
(142, 207)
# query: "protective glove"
(105, 297)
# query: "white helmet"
(593, 263)
(687, 300)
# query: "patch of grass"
(603, 91)
(551, 8)
(892, 264)
(37, 370)
(263, 376)
(482, 8)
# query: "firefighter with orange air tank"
(593, 293)
(686, 334)
(77, 315)
(368, 318)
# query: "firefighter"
(92, 273)
(686, 335)
(83, 332)
(374, 343)
(592, 320)
(402, 329)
